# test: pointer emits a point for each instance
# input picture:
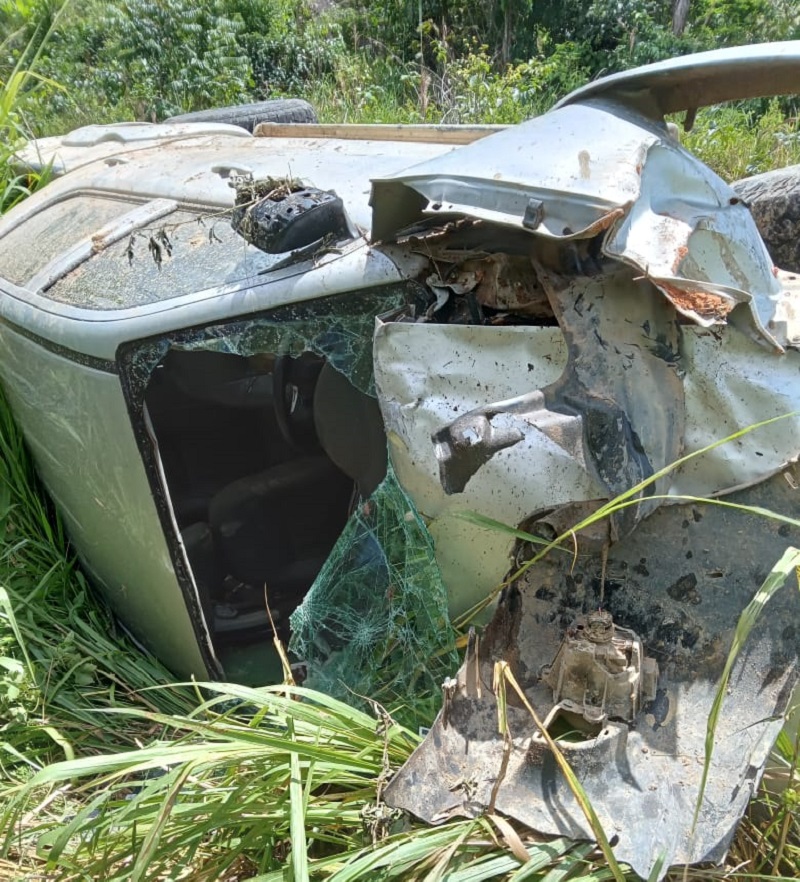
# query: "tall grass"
(15, 87)
(238, 788)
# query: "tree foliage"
(434, 60)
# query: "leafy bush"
(158, 56)
(287, 62)
(737, 142)
(149, 59)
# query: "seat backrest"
(350, 429)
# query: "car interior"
(263, 458)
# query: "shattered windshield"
(188, 252)
(379, 604)
(30, 245)
(338, 328)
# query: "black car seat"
(350, 429)
(278, 526)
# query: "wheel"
(248, 116)
(774, 201)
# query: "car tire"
(774, 201)
(248, 116)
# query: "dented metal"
(679, 582)
(689, 283)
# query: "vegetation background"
(455, 61)
(108, 770)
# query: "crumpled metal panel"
(580, 164)
(428, 374)
(696, 240)
(640, 387)
(594, 423)
(586, 169)
(516, 421)
(731, 382)
(680, 580)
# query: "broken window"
(265, 444)
(378, 610)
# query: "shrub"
(741, 141)
(288, 61)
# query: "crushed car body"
(211, 340)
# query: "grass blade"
(7, 610)
(297, 817)
(153, 837)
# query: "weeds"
(769, 840)
(15, 184)
(737, 142)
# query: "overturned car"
(317, 364)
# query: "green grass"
(737, 144)
(17, 86)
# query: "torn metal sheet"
(696, 240)
(507, 361)
(634, 394)
(659, 208)
(545, 176)
(679, 583)
(637, 390)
